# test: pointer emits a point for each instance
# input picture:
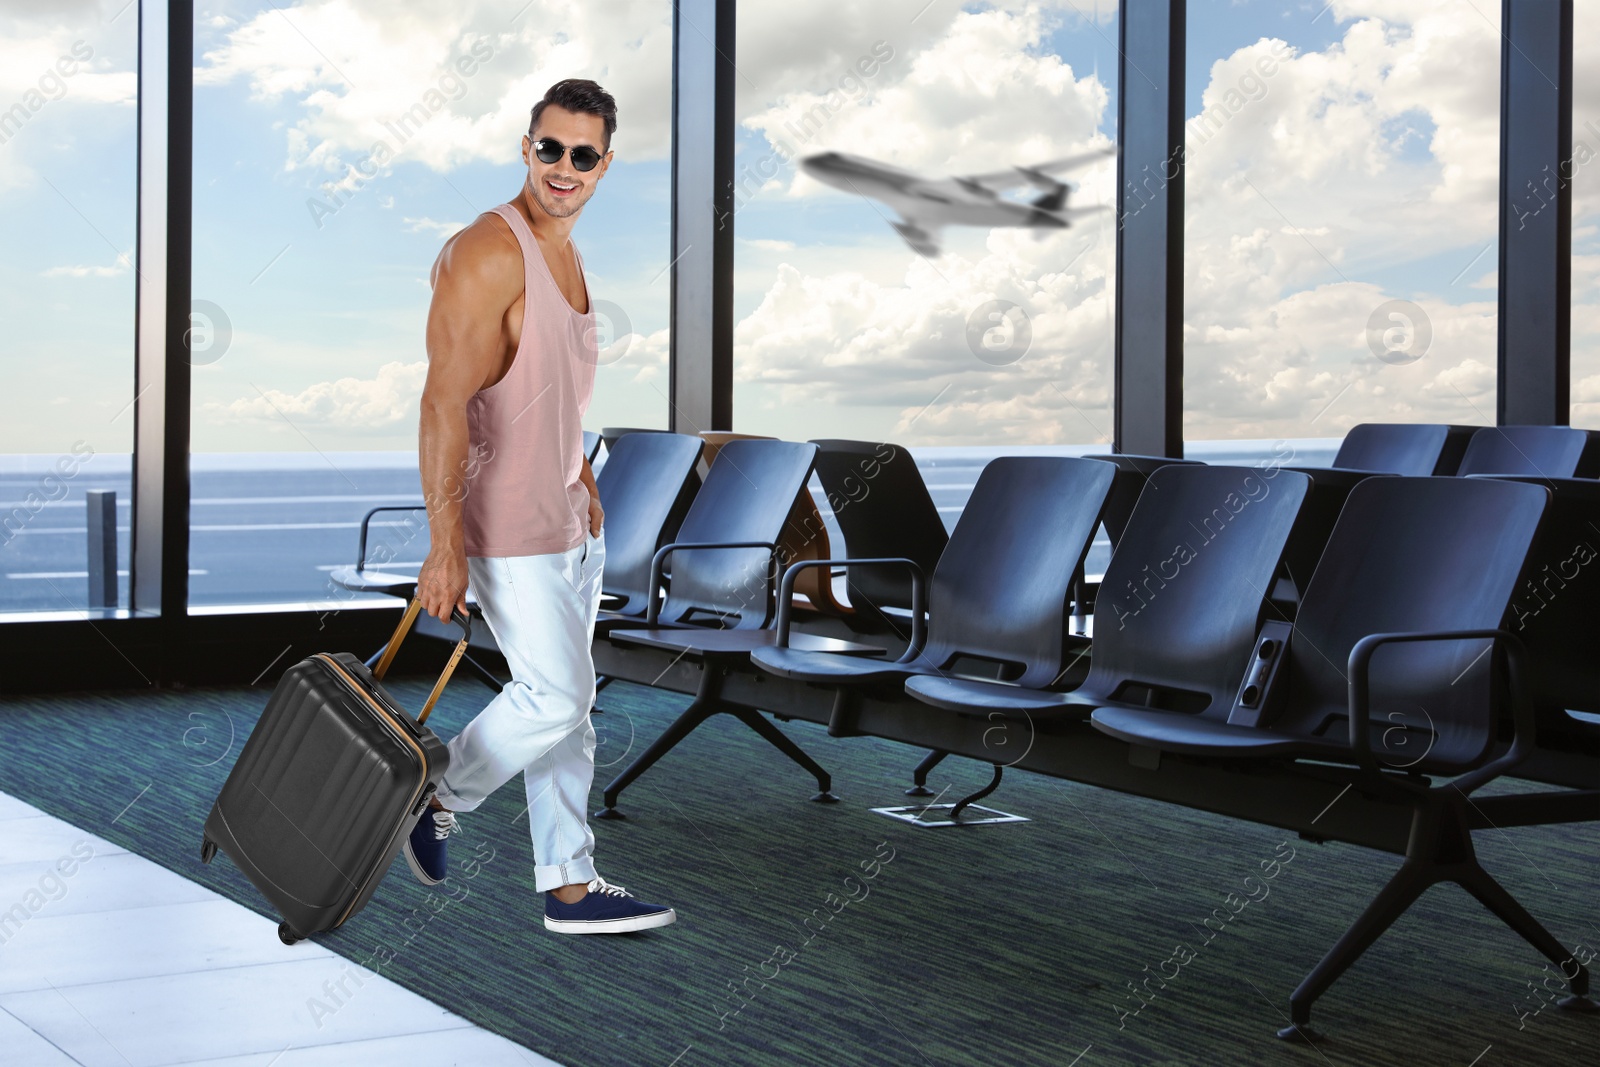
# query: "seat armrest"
(919, 597)
(361, 547)
(653, 609)
(1522, 716)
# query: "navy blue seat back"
(1414, 448)
(1003, 584)
(1542, 451)
(1178, 611)
(747, 495)
(1132, 474)
(884, 510)
(646, 485)
(1407, 555)
(1556, 612)
(610, 435)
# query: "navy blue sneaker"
(424, 849)
(605, 909)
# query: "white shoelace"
(444, 824)
(600, 885)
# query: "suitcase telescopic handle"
(457, 616)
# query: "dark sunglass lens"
(584, 158)
(548, 151)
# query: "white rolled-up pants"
(541, 610)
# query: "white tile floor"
(123, 963)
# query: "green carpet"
(1012, 944)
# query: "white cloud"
(348, 405)
(119, 267)
(364, 70)
(1304, 184)
(433, 226)
(642, 358)
(1334, 169)
(981, 92)
(53, 64)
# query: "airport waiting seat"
(1180, 606)
(1370, 448)
(1416, 449)
(998, 598)
(804, 535)
(647, 485)
(1419, 449)
(1553, 613)
(609, 435)
(999, 593)
(884, 510)
(1542, 451)
(720, 601)
(1388, 670)
(1133, 472)
(723, 559)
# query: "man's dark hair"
(578, 95)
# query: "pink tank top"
(525, 494)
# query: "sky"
(1340, 201)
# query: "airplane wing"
(922, 241)
(1015, 176)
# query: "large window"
(1585, 177)
(337, 145)
(1342, 213)
(67, 157)
(860, 313)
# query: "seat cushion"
(1172, 731)
(696, 639)
(806, 666)
(607, 621)
(976, 696)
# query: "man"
(511, 359)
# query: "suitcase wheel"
(208, 848)
(286, 935)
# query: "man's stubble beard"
(555, 208)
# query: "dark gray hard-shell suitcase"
(333, 778)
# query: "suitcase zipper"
(400, 732)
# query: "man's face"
(549, 182)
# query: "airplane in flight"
(927, 205)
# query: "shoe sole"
(611, 926)
(416, 868)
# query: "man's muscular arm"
(476, 278)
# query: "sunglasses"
(549, 150)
